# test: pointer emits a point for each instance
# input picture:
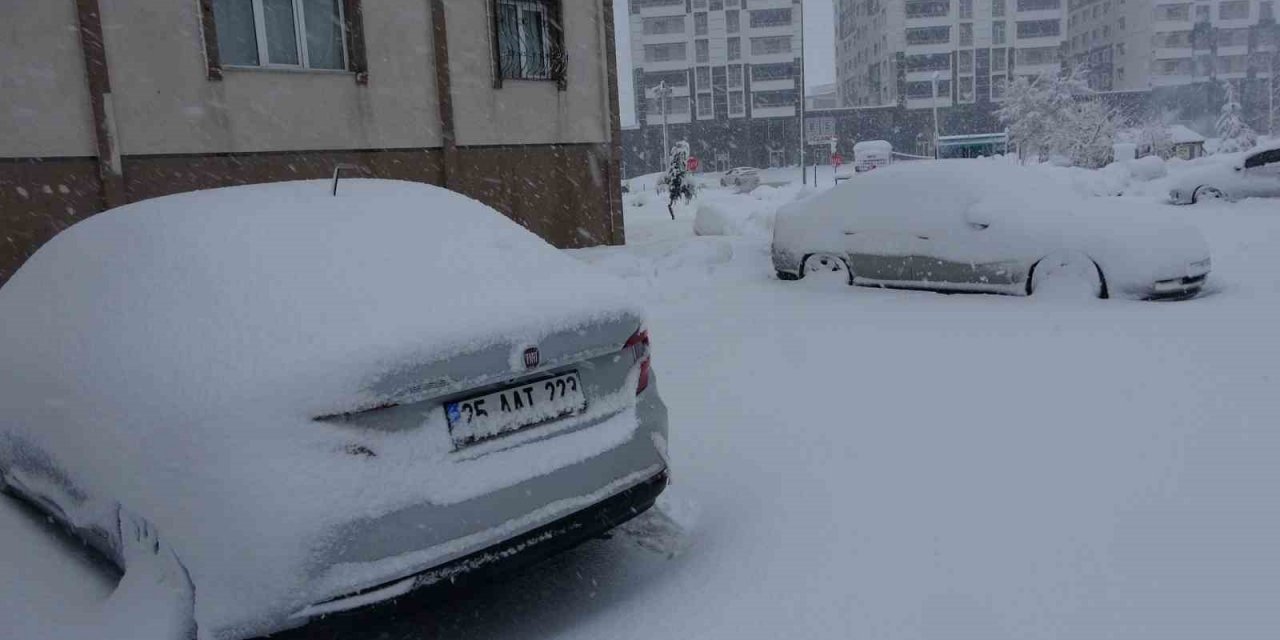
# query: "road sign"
(692, 163)
(819, 129)
(837, 159)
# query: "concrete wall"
(528, 112)
(165, 103)
(44, 104)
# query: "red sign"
(692, 163)
(837, 159)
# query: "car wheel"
(1067, 275)
(826, 267)
(1207, 193)
(785, 275)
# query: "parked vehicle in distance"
(871, 154)
(984, 226)
(1252, 174)
(323, 402)
(743, 178)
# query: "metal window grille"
(529, 41)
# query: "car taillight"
(638, 343)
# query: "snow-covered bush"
(1046, 118)
(1233, 132)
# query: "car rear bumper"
(520, 551)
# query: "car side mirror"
(1238, 168)
(977, 221)
(978, 226)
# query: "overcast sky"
(819, 48)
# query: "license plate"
(493, 414)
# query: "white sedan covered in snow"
(324, 402)
(1253, 174)
(986, 226)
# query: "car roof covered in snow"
(873, 145)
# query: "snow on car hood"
(171, 354)
(1035, 215)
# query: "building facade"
(893, 52)
(107, 102)
(1182, 51)
(733, 70)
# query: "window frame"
(554, 52)
(350, 20)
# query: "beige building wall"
(44, 104)
(528, 111)
(165, 103)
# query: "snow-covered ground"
(862, 463)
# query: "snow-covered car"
(323, 402)
(870, 155)
(742, 178)
(1254, 174)
(986, 226)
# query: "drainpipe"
(98, 80)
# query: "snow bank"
(172, 354)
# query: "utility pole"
(804, 175)
(663, 93)
(935, 115)
(1271, 98)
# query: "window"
(703, 49)
(924, 89)
(966, 9)
(1202, 13)
(731, 21)
(998, 86)
(997, 8)
(1039, 5)
(770, 45)
(966, 89)
(735, 76)
(964, 61)
(929, 62)
(663, 26)
(998, 32)
(734, 48)
(1173, 12)
(999, 60)
(529, 40)
(770, 18)
(736, 103)
(1039, 28)
(703, 75)
(672, 78)
(929, 35)
(1036, 55)
(766, 99)
(1235, 10)
(927, 8)
(700, 24)
(779, 71)
(291, 33)
(697, 4)
(704, 105)
(669, 52)
(966, 34)
(675, 105)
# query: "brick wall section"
(39, 198)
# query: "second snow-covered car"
(1253, 174)
(986, 226)
(325, 402)
(742, 178)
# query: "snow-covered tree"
(679, 184)
(1084, 133)
(1154, 135)
(1233, 131)
(1033, 110)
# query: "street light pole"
(935, 115)
(663, 93)
(804, 175)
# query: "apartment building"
(105, 102)
(733, 70)
(1133, 45)
(889, 51)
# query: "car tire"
(788, 276)
(1068, 274)
(825, 265)
(1207, 193)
